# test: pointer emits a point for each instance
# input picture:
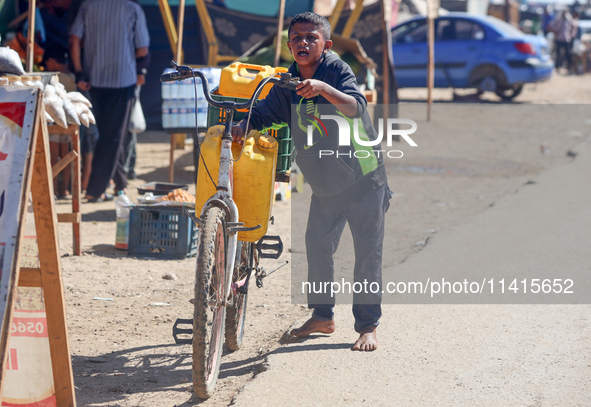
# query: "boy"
(345, 188)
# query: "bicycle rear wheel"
(210, 312)
(236, 313)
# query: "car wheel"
(487, 78)
(488, 84)
(509, 93)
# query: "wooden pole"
(279, 30)
(336, 13)
(169, 24)
(430, 65)
(171, 158)
(432, 14)
(207, 25)
(181, 26)
(355, 14)
(51, 278)
(76, 193)
(179, 60)
(26, 188)
(31, 37)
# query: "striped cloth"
(111, 31)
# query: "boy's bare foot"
(367, 341)
(314, 326)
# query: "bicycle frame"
(220, 212)
(223, 197)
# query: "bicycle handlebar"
(285, 80)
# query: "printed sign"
(28, 376)
(17, 110)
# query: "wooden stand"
(37, 180)
(72, 158)
(177, 142)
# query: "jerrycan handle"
(263, 71)
(248, 139)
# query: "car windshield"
(504, 27)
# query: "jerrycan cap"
(267, 142)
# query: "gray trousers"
(325, 227)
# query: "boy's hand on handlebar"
(238, 134)
(310, 88)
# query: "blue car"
(471, 51)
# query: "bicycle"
(224, 264)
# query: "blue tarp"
(267, 8)
(270, 8)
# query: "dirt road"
(469, 157)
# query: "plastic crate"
(286, 150)
(162, 232)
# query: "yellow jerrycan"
(254, 178)
(240, 79)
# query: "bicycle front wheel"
(209, 313)
(237, 311)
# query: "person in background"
(55, 18)
(564, 29)
(577, 49)
(547, 19)
(88, 139)
(116, 58)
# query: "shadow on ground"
(140, 370)
(108, 250)
(100, 215)
(145, 370)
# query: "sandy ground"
(121, 309)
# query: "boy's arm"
(274, 109)
(310, 88)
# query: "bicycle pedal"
(259, 281)
(273, 251)
(176, 331)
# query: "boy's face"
(307, 44)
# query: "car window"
(445, 30)
(458, 30)
(468, 30)
(413, 32)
